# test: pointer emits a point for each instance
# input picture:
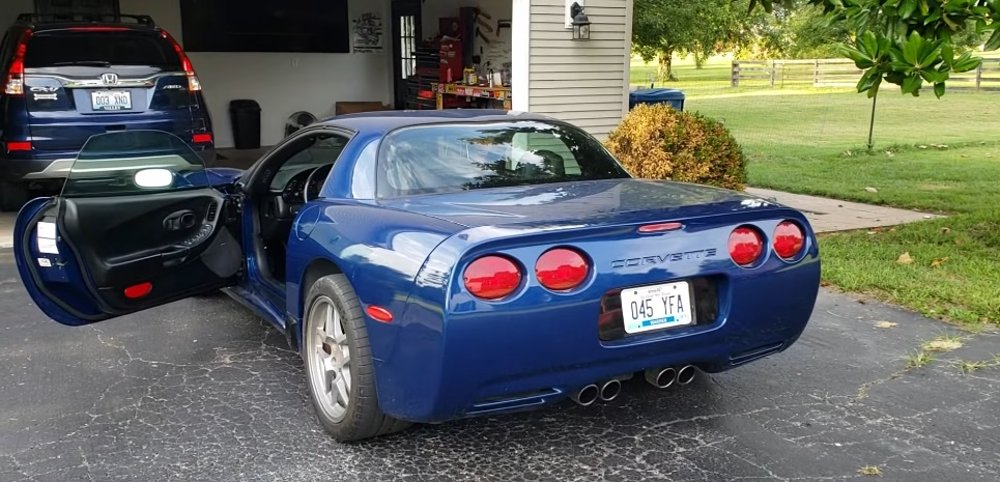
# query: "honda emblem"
(109, 78)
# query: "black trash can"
(673, 97)
(245, 115)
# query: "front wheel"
(338, 361)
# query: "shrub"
(658, 142)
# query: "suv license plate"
(655, 307)
(111, 100)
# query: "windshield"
(461, 157)
(134, 162)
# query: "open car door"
(138, 224)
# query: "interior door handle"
(174, 256)
(180, 220)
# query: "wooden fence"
(842, 73)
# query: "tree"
(910, 42)
(661, 28)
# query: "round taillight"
(788, 240)
(745, 245)
(561, 269)
(492, 277)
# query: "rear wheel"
(13, 195)
(339, 367)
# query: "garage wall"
(11, 9)
(584, 82)
(283, 83)
(498, 50)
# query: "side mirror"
(153, 178)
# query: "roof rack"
(35, 18)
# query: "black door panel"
(178, 242)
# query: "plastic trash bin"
(673, 97)
(245, 116)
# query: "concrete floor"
(202, 390)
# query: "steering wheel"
(319, 173)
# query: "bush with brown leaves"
(658, 142)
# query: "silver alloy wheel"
(329, 362)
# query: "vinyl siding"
(582, 82)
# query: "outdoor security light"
(581, 23)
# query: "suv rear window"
(69, 47)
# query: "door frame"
(400, 9)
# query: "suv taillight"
(492, 277)
(14, 84)
(194, 84)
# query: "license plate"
(656, 307)
(111, 100)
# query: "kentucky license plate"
(656, 307)
(111, 100)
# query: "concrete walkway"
(829, 215)
(826, 215)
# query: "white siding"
(582, 82)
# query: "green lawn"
(934, 155)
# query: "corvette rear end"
(565, 297)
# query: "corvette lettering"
(664, 258)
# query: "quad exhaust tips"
(587, 395)
(657, 377)
(665, 377)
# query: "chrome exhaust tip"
(661, 377)
(686, 375)
(610, 390)
(587, 395)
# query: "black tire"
(13, 195)
(363, 418)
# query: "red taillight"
(788, 240)
(492, 277)
(561, 269)
(194, 84)
(15, 75)
(138, 291)
(745, 245)
(18, 146)
(202, 138)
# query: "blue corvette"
(434, 265)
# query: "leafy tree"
(910, 42)
(661, 28)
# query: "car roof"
(381, 122)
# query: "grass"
(935, 155)
(919, 359)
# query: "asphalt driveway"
(202, 390)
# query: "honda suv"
(66, 80)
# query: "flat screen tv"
(265, 26)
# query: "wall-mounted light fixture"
(581, 23)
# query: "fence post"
(816, 73)
(736, 74)
(979, 76)
(774, 73)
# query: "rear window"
(53, 49)
(461, 157)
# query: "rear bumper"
(540, 352)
